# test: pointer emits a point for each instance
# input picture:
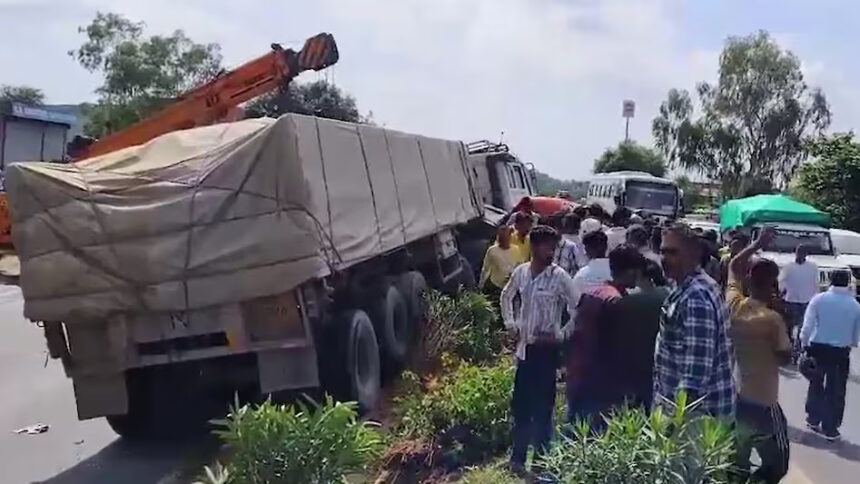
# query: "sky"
(546, 76)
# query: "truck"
(250, 258)
(637, 191)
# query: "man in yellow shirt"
(523, 222)
(761, 346)
(499, 262)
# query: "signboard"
(41, 114)
(628, 108)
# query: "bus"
(638, 191)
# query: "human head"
(556, 221)
(652, 275)
(762, 280)
(525, 205)
(801, 253)
(543, 241)
(621, 217)
(636, 219)
(626, 264)
(738, 242)
(574, 223)
(589, 225)
(637, 236)
(681, 249)
(503, 236)
(523, 223)
(595, 244)
(711, 236)
(840, 279)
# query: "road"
(814, 459)
(71, 452)
(35, 390)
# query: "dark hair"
(522, 217)
(742, 237)
(654, 272)
(624, 258)
(595, 242)
(711, 236)
(685, 233)
(621, 216)
(573, 222)
(556, 220)
(543, 234)
(656, 239)
(763, 271)
(840, 278)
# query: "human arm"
(781, 343)
(569, 295)
(857, 326)
(810, 322)
(507, 299)
(740, 262)
(485, 268)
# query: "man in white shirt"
(637, 236)
(798, 283)
(596, 273)
(617, 234)
(545, 290)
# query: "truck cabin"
(789, 236)
(501, 179)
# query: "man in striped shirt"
(692, 352)
(545, 290)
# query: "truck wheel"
(393, 326)
(413, 288)
(362, 360)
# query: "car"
(817, 239)
(847, 245)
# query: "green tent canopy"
(769, 208)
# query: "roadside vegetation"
(449, 421)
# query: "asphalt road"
(34, 389)
(814, 459)
(70, 452)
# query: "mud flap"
(287, 369)
(101, 395)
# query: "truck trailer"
(253, 257)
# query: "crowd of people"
(634, 312)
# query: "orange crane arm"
(214, 100)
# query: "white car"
(847, 245)
(821, 249)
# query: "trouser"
(825, 399)
(533, 401)
(583, 407)
(764, 429)
(795, 317)
(494, 294)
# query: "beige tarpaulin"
(225, 213)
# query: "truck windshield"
(788, 240)
(653, 197)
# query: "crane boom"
(214, 100)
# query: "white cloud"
(550, 73)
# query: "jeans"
(766, 430)
(825, 399)
(533, 401)
(795, 313)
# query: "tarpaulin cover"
(225, 213)
(769, 208)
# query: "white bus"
(636, 190)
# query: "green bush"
(315, 444)
(465, 325)
(489, 475)
(465, 413)
(677, 448)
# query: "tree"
(22, 94)
(692, 195)
(831, 182)
(754, 122)
(318, 98)
(630, 156)
(141, 74)
(549, 186)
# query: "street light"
(628, 110)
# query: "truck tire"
(363, 369)
(390, 315)
(413, 288)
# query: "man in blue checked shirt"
(692, 353)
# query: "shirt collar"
(840, 290)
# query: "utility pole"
(628, 109)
